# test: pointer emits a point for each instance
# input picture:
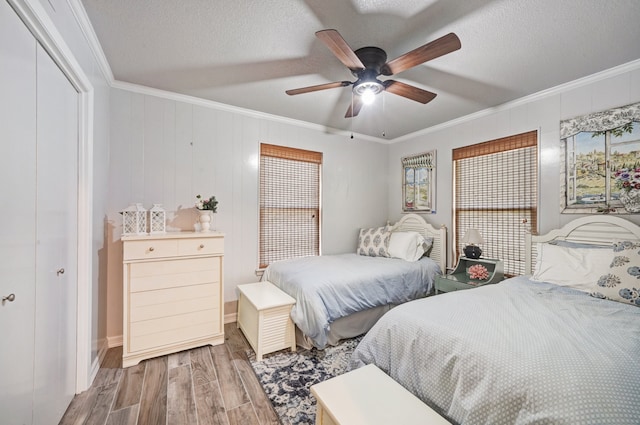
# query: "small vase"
(205, 220)
(631, 200)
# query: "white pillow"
(406, 245)
(578, 268)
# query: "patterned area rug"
(287, 378)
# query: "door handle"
(9, 298)
(60, 271)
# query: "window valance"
(425, 160)
(600, 121)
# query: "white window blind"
(496, 192)
(289, 203)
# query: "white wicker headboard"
(594, 230)
(415, 223)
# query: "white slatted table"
(368, 396)
(264, 318)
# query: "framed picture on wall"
(601, 162)
(418, 182)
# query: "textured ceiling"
(246, 53)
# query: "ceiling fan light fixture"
(368, 90)
(368, 97)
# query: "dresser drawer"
(201, 246)
(154, 275)
(142, 250)
(174, 301)
(173, 329)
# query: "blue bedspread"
(519, 352)
(329, 287)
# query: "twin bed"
(342, 296)
(560, 345)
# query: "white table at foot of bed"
(369, 396)
(264, 318)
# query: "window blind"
(496, 192)
(289, 203)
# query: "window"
(496, 192)
(418, 182)
(289, 203)
(601, 154)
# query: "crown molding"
(80, 14)
(136, 88)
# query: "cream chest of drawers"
(172, 297)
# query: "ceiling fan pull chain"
(351, 123)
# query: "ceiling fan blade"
(408, 91)
(354, 107)
(445, 44)
(334, 41)
(318, 87)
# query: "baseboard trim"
(230, 318)
(114, 341)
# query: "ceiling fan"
(368, 63)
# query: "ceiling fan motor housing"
(367, 81)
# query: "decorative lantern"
(157, 218)
(134, 220)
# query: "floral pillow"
(374, 242)
(622, 283)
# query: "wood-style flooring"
(204, 386)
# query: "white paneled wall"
(543, 112)
(168, 151)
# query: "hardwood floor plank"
(180, 358)
(202, 368)
(234, 338)
(126, 416)
(243, 415)
(231, 386)
(130, 388)
(210, 405)
(102, 407)
(263, 408)
(113, 358)
(153, 404)
(181, 406)
(106, 377)
(80, 407)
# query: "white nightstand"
(264, 318)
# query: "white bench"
(264, 318)
(369, 396)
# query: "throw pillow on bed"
(374, 242)
(622, 282)
(573, 267)
(409, 246)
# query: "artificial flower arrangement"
(627, 179)
(478, 271)
(207, 204)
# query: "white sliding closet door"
(56, 245)
(38, 236)
(17, 216)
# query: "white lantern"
(157, 218)
(134, 220)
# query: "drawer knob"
(151, 249)
(201, 245)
